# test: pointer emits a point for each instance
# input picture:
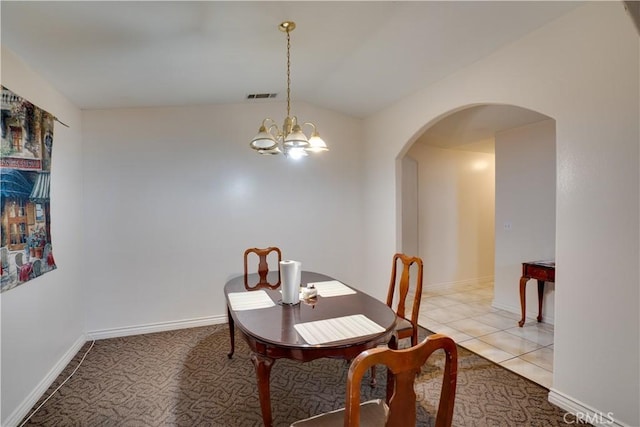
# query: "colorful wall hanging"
(25, 177)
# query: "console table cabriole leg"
(523, 299)
(263, 372)
(232, 336)
(540, 293)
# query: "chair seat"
(403, 324)
(373, 413)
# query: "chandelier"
(290, 140)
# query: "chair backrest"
(404, 365)
(263, 267)
(403, 285)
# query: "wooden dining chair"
(400, 407)
(263, 282)
(263, 267)
(400, 285)
(407, 327)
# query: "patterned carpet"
(184, 378)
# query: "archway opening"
(477, 200)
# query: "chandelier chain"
(288, 74)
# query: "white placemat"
(250, 300)
(332, 288)
(336, 329)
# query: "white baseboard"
(156, 327)
(515, 309)
(580, 411)
(447, 285)
(23, 409)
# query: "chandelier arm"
(269, 124)
(266, 121)
(315, 128)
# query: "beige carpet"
(184, 378)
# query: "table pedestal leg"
(540, 292)
(232, 335)
(523, 299)
(263, 371)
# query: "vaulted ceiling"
(351, 57)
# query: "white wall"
(455, 211)
(582, 70)
(43, 319)
(173, 197)
(526, 199)
(410, 223)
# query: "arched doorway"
(478, 199)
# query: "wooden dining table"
(271, 333)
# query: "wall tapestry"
(25, 168)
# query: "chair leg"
(373, 383)
(232, 335)
(393, 344)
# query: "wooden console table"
(542, 271)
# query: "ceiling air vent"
(261, 95)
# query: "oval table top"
(274, 326)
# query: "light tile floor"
(464, 313)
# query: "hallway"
(464, 313)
